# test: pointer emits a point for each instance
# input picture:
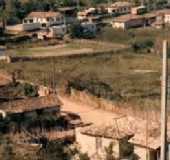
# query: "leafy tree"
(76, 30)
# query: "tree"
(54, 151)
(76, 30)
(109, 152)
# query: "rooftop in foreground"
(106, 132)
(30, 104)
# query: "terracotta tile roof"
(127, 17)
(106, 132)
(150, 139)
(30, 104)
(121, 4)
(44, 14)
(163, 11)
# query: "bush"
(76, 30)
(142, 44)
(30, 90)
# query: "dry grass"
(133, 78)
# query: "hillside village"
(83, 82)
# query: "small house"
(46, 19)
(147, 144)
(89, 27)
(119, 8)
(53, 32)
(162, 18)
(83, 15)
(69, 13)
(94, 140)
(150, 18)
(30, 105)
(128, 21)
(167, 16)
(138, 10)
(159, 22)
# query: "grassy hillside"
(123, 77)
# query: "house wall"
(48, 22)
(119, 10)
(89, 27)
(59, 30)
(134, 23)
(95, 145)
(23, 27)
(120, 25)
(167, 18)
(144, 153)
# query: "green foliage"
(76, 31)
(141, 45)
(84, 156)
(54, 151)
(6, 152)
(30, 90)
(109, 152)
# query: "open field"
(108, 34)
(123, 77)
(71, 48)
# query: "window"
(31, 20)
(25, 21)
(44, 25)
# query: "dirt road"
(88, 113)
(102, 118)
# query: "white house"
(128, 21)
(46, 19)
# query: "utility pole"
(164, 101)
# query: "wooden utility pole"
(164, 101)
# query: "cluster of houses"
(157, 19)
(122, 15)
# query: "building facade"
(128, 21)
(46, 19)
(95, 141)
(119, 8)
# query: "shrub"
(142, 44)
(76, 30)
(30, 90)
